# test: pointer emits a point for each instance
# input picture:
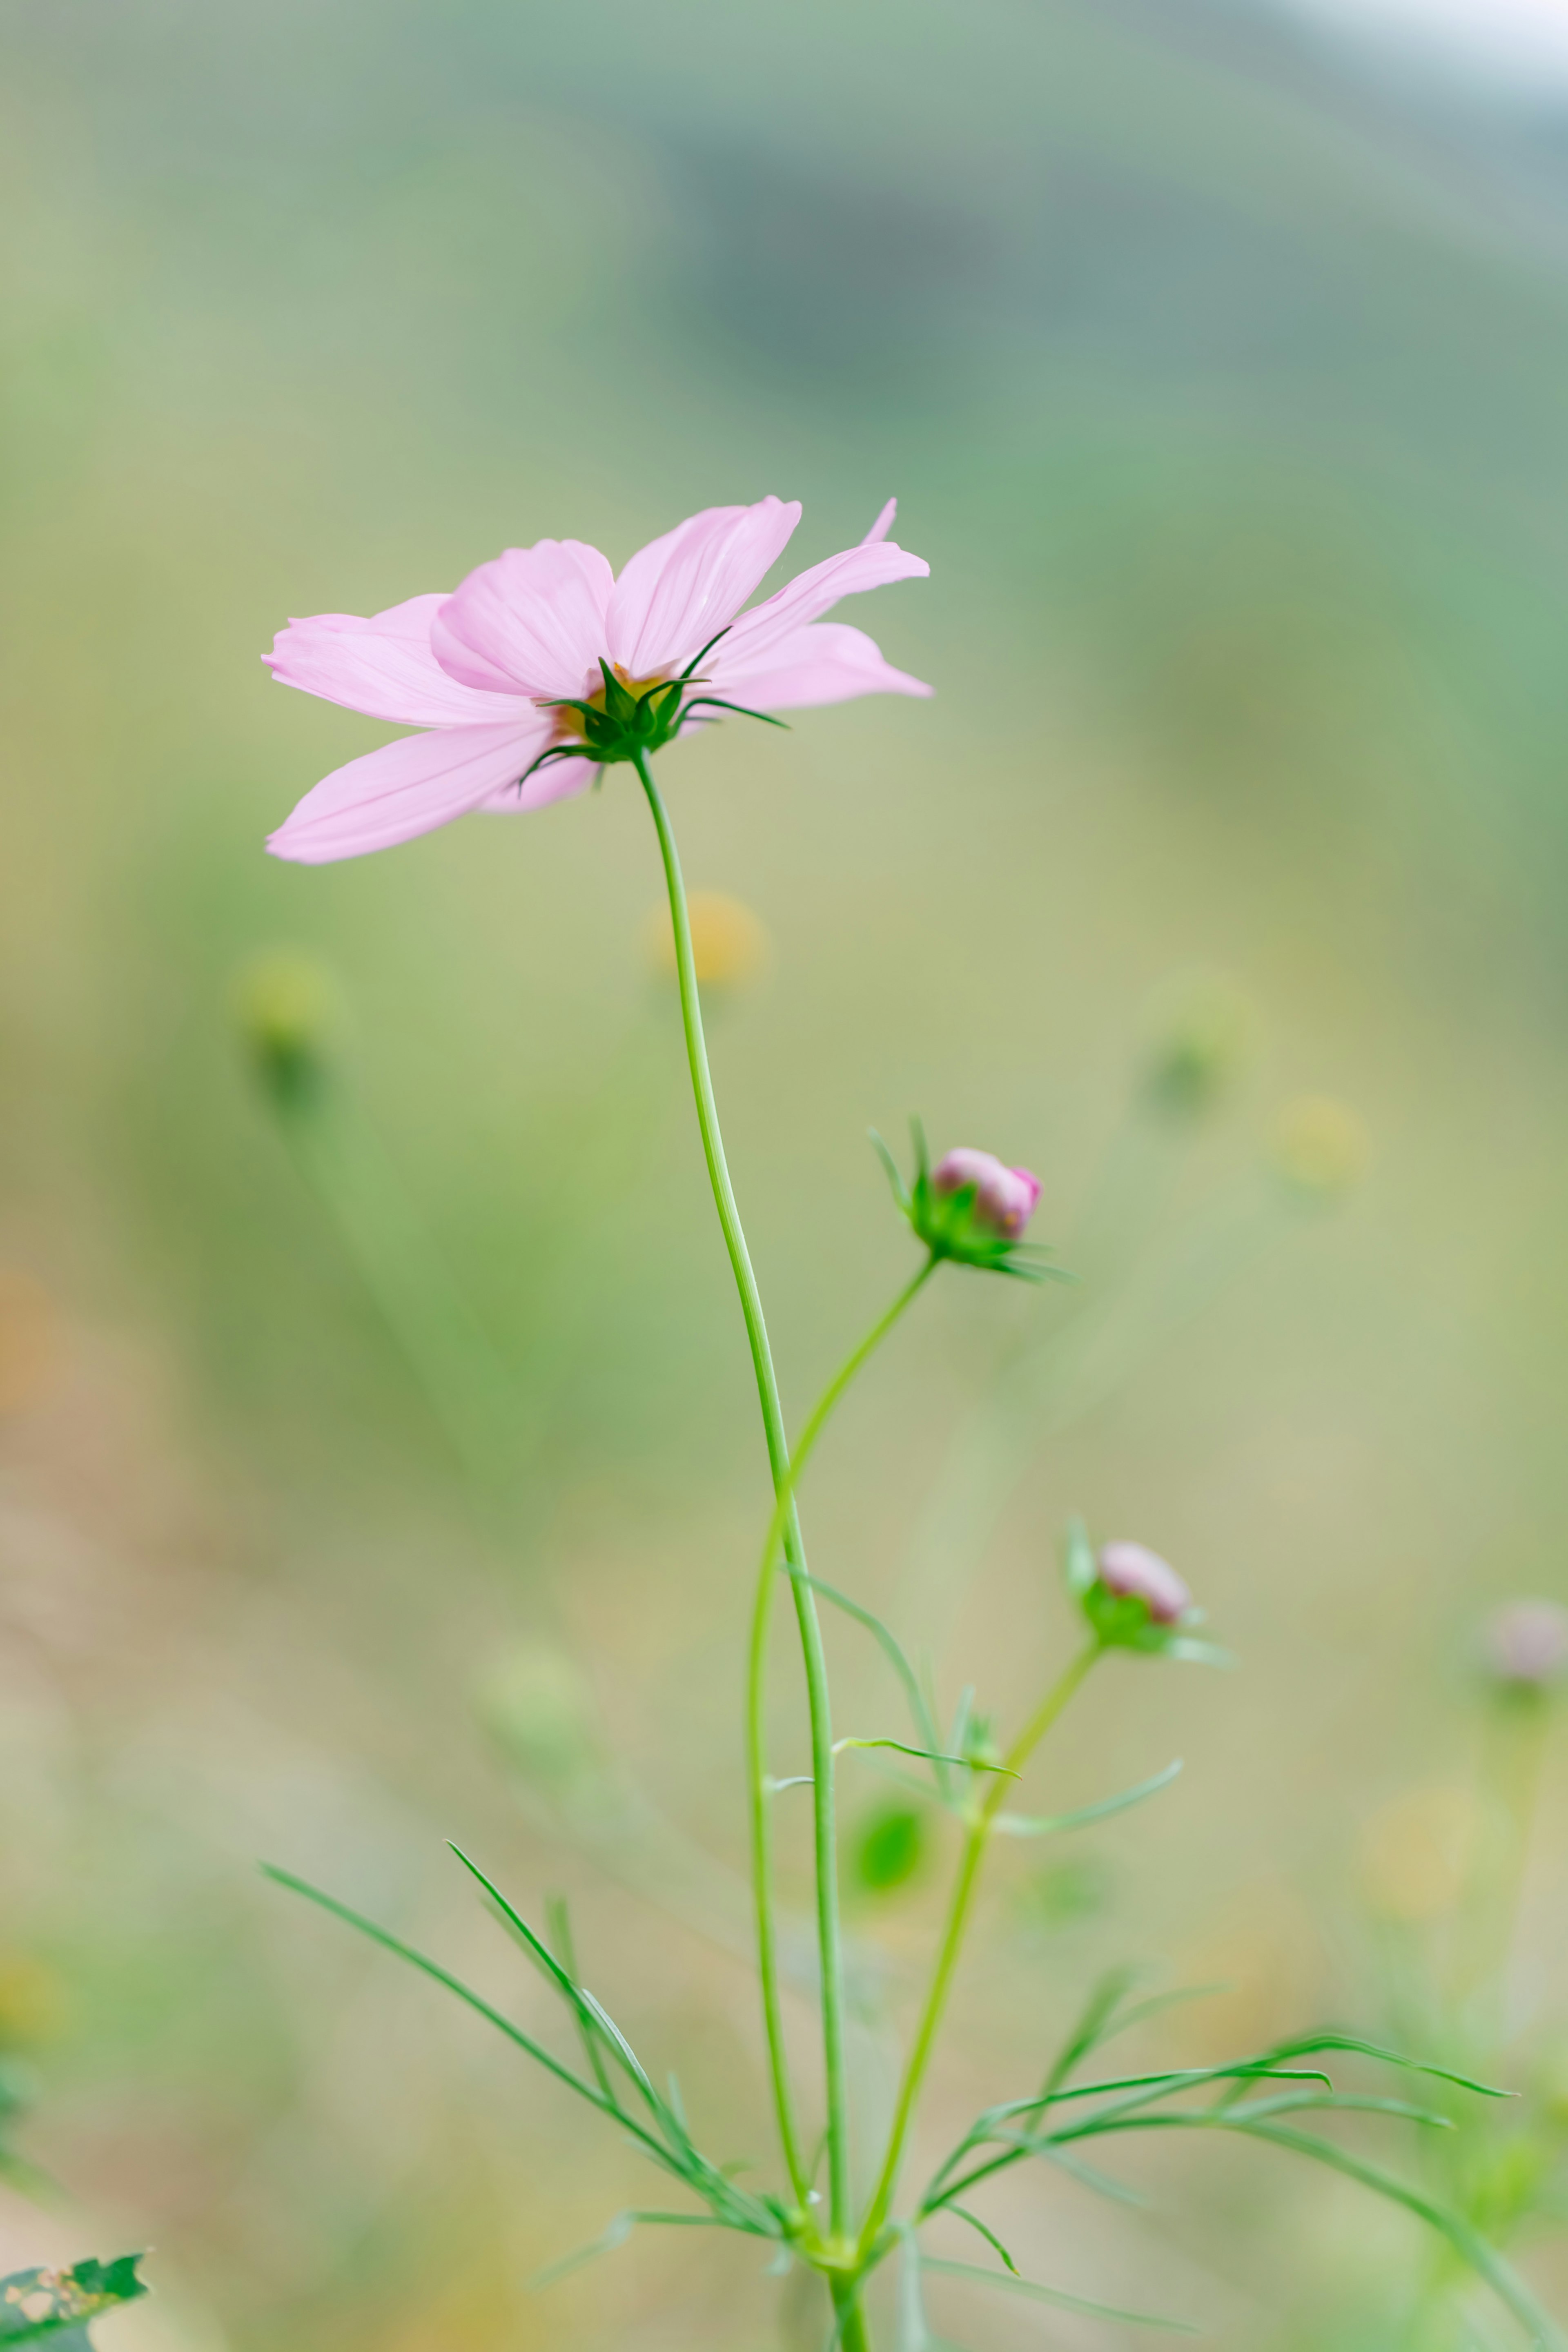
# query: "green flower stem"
(979, 1837)
(850, 2318)
(829, 1931)
(757, 1673)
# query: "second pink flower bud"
(1004, 1198)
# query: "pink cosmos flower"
(478, 669)
(1128, 1568)
(1005, 1197)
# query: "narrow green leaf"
(992, 2240)
(56, 2305)
(1094, 2024)
(927, 1754)
(560, 1921)
(1307, 2045)
(433, 1968)
(619, 2230)
(591, 2016)
(924, 1720)
(1466, 2242)
(1090, 2176)
(1020, 1825)
(1056, 2295)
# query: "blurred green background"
(1224, 393)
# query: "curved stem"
(757, 1667)
(974, 1845)
(822, 1409)
(828, 1928)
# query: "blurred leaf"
(1021, 1825)
(1056, 2295)
(59, 2305)
(890, 1849)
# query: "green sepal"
(1077, 1559)
(58, 2305)
(616, 724)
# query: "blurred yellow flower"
(1319, 1146)
(1415, 1850)
(29, 1342)
(730, 943)
(32, 2001)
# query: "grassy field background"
(1224, 394)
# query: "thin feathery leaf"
(1058, 2296)
(560, 1921)
(992, 2240)
(1048, 1825)
(1466, 2241)
(433, 1968)
(1148, 2089)
(927, 1754)
(619, 2230)
(589, 2014)
(1094, 2024)
(924, 1721)
(1306, 2044)
(1090, 2176)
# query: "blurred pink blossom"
(474, 668)
(1527, 1641)
(1005, 1197)
(1127, 1569)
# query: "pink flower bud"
(1527, 1641)
(1129, 1568)
(1005, 1197)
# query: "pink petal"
(807, 597)
(406, 788)
(826, 662)
(383, 667)
(883, 524)
(558, 782)
(529, 622)
(684, 588)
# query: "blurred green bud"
(1133, 1599)
(890, 1849)
(1320, 1149)
(1503, 2180)
(292, 1019)
(1203, 1030)
(1551, 2083)
(537, 1708)
(1079, 1886)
